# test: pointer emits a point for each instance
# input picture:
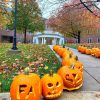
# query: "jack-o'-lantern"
(26, 87)
(78, 64)
(93, 50)
(72, 78)
(52, 85)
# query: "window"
(98, 40)
(89, 40)
(98, 30)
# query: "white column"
(42, 40)
(63, 40)
(60, 41)
(54, 41)
(33, 40)
(37, 41)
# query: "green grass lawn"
(39, 58)
(72, 45)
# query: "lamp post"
(14, 37)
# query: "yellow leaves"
(46, 67)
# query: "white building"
(48, 37)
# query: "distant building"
(48, 37)
(7, 36)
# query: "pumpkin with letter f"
(52, 85)
(26, 87)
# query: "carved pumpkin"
(93, 51)
(26, 87)
(52, 86)
(77, 64)
(72, 78)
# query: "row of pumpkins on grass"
(90, 51)
(29, 86)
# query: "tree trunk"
(78, 37)
(25, 35)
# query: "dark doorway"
(7, 39)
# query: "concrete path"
(91, 85)
(91, 71)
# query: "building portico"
(50, 39)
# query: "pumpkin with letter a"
(72, 78)
(26, 87)
(52, 85)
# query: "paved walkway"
(91, 85)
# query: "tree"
(73, 20)
(3, 15)
(29, 17)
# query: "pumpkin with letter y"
(26, 87)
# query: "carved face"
(52, 86)
(26, 87)
(79, 65)
(72, 78)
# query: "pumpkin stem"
(76, 58)
(70, 55)
(26, 71)
(72, 66)
(51, 73)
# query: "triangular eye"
(67, 75)
(57, 83)
(50, 84)
(74, 75)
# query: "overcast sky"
(50, 6)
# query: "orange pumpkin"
(68, 60)
(56, 47)
(97, 53)
(93, 50)
(66, 53)
(83, 49)
(72, 78)
(52, 86)
(88, 51)
(79, 48)
(78, 64)
(26, 87)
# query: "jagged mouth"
(53, 95)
